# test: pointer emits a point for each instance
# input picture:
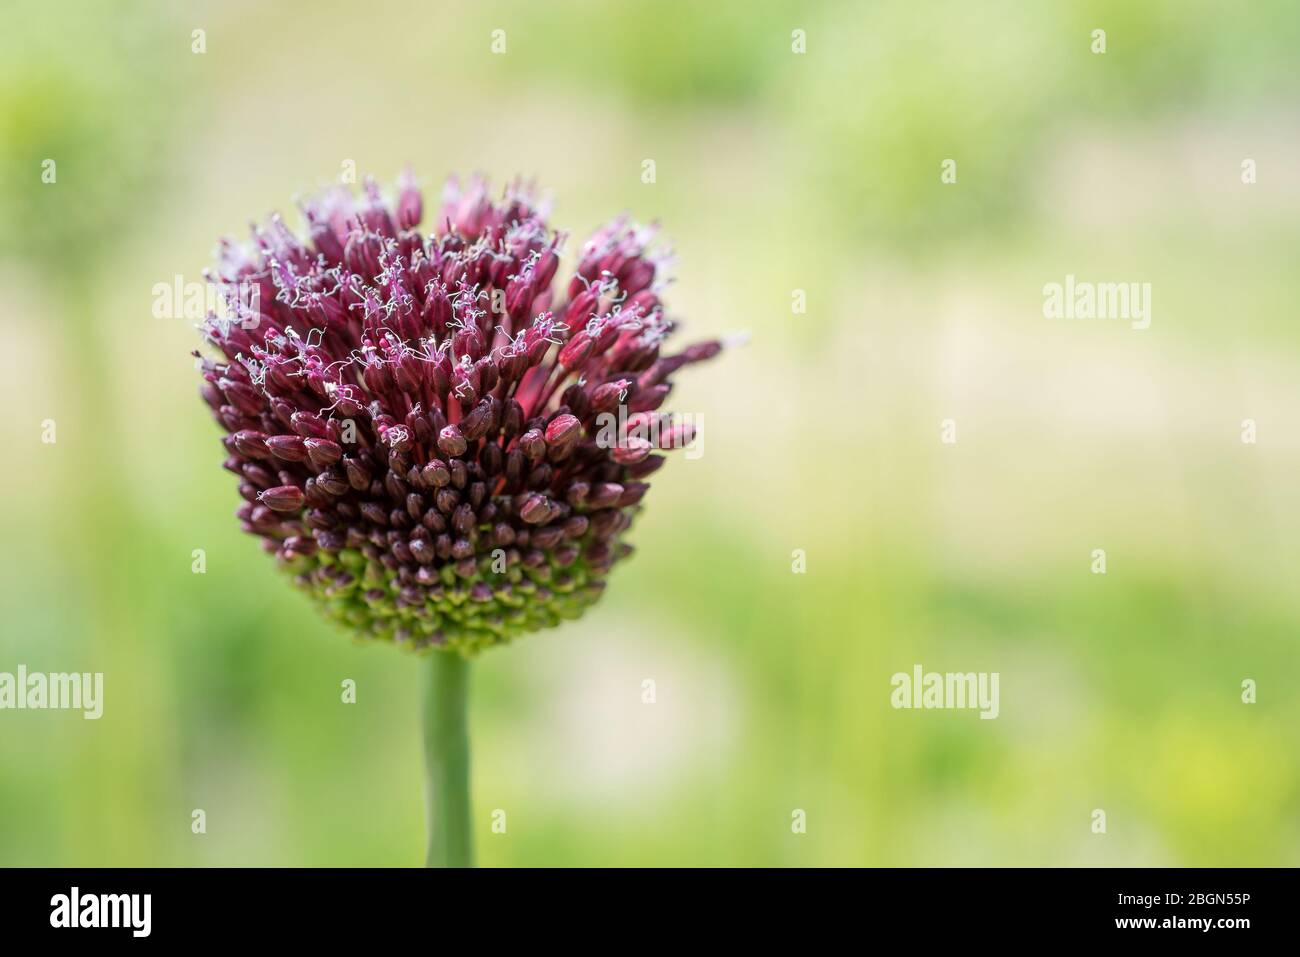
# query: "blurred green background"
(775, 172)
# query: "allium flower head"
(416, 418)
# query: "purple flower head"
(441, 442)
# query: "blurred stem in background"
(446, 760)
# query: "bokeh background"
(775, 172)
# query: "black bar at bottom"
(334, 907)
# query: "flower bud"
(283, 498)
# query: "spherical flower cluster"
(415, 419)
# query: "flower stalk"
(446, 761)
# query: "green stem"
(446, 761)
